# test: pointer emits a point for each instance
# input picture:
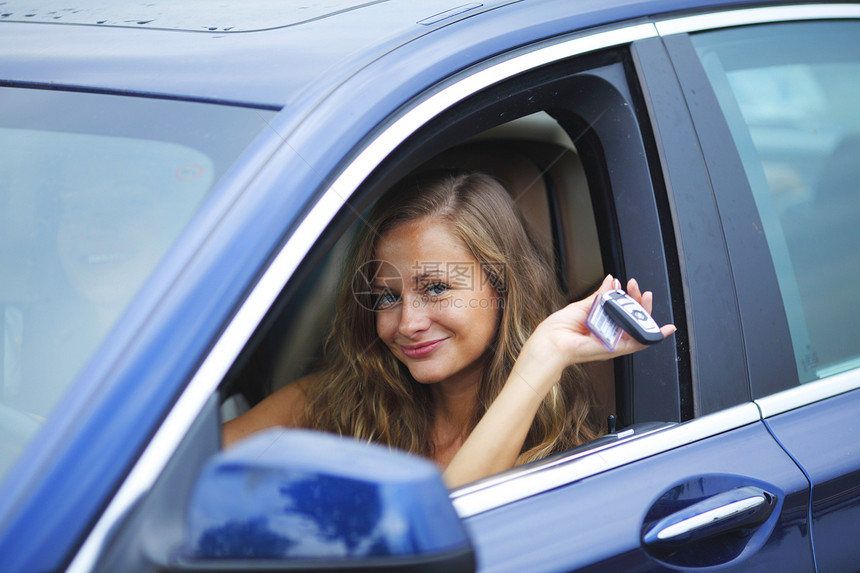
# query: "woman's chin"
(424, 379)
(426, 376)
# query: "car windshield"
(94, 188)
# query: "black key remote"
(630, 316)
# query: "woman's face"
(435, 308)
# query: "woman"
(448, 341)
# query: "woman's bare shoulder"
(284, 407)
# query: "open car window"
(567, 162)
(537, 162)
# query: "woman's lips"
(422, 348)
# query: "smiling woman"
(445, 341)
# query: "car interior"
(537, 162)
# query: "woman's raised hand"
(560, 340)
(563, 338)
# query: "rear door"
(789, 92)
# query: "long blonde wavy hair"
(365, 392)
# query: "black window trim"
(713, 319)
(769, 354)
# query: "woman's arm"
(559, 341)
(282, 408)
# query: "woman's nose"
(414, 316)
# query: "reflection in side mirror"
(324, 500)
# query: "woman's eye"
(383, 300)
(435, 289)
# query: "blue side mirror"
(304, 500)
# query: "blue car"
(178, 182)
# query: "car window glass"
(790, 93)
(93, 190)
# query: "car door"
(790, 114)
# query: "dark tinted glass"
(790, 94)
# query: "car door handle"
(733, 510)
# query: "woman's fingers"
(609, 283)
(605, 286)
(633, 289)
(647, 301)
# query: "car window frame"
(634, 233)
(680, 155)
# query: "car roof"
(188, 15)
(262, 52)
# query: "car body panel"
(59, 488)
(186, 17)
(593, 535)
(824, 438)
(96, 56)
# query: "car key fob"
(601, 324)
(630, 316)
